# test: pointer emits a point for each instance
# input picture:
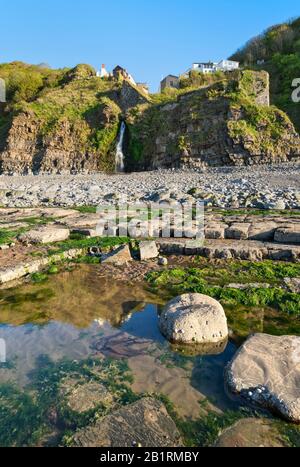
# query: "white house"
(227, 65)
(204, 67)
(212, 67)
(103, 73)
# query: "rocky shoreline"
(260, 187)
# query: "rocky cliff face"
(73, 126)
(228, 123)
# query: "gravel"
(263, 187)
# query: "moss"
(212, 281)
(47, 380)
(253, 212)
(27, 415)
(82, 242)
(291, 434)
(86, 209)
(21, 420)
(203, 431)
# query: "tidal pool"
(80, 314)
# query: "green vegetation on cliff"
(25, 82)
(228, 121)
(279, 50)
(72, 110)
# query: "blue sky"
(151, 38)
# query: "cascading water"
(119, 151)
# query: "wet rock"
(266, 371)
(145, 423)
(194, 319)
(81, 396)
(251, 433)
(23, 269)
(45, 234)
(118, 257)
(148, 250)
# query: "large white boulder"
(194, 319)
(266, 371)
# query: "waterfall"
(119, 151)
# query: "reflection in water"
(75, 315)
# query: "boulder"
(194, 319)
(162, 261)
(251, 433)
(266, 371)
(148, 250)
(288, 234)
(215, 231)
(238, 231)
(145, 423)
(45, 234)
(119, 256)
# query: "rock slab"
(194, 319)
(145, 423)
(45, 234)
(266, 371)
(118, 257)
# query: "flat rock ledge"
(23, 269)
(228, 249)
(45, 234)
(145, 423)
(194, 319)
(266, 371)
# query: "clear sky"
(151, 38)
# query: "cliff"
(71, 126)
(68, 121)
(277, 50)
(227, 123)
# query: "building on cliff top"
(170, 81)
(213, 67)
(103, 73)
